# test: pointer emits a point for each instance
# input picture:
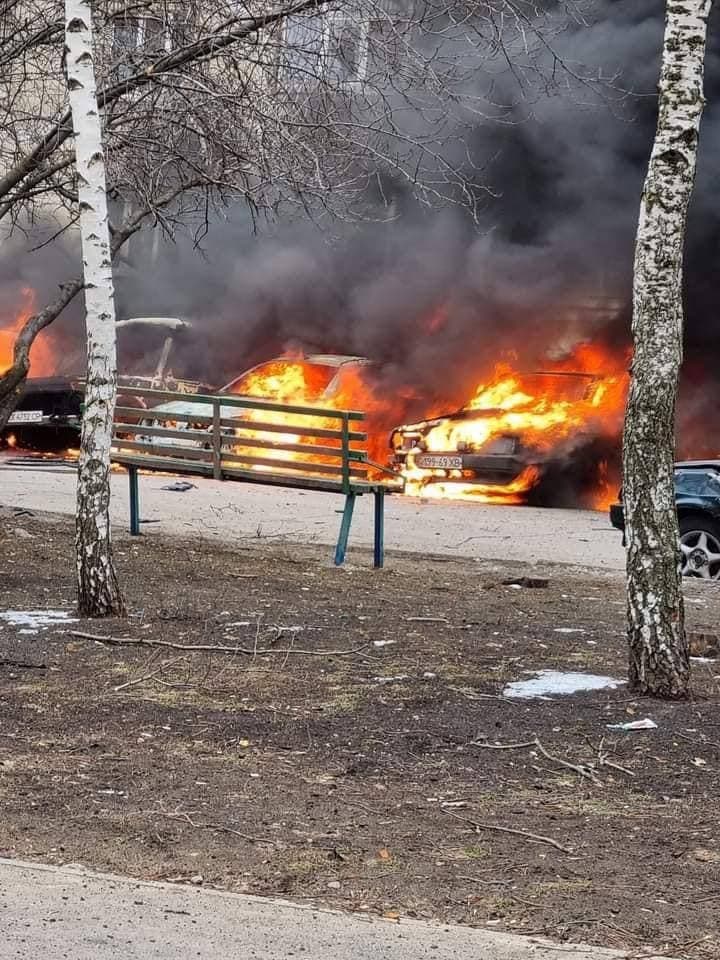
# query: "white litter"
(545, 682)
(383, 643)
(34, 620)
(646, 724)
(569, 630)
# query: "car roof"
(329, 359)
(697, 465)
(580, 375)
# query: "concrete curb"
(69, 913)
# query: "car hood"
(458, 416)
(187, 408)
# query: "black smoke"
(434, 297)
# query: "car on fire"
(697, 498)
(485, 445)
(49, 412)
(307, 380)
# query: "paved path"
(228, 511)
(68, 914)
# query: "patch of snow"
(34, 620)
(545, 682)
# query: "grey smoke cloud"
(565, 177)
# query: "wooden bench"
(228, 437)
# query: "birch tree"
(659, 662)
(98, 588)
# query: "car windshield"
(284, 381)
(528, 388)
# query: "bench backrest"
(232, 437)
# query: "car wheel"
(700, 548)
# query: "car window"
(697, 483)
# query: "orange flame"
(41, 357)
(549, 413)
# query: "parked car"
(49, 412)
(697, 496)
(464, 447)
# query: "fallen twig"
(580, 768)
(218, 826)
(474, 695)
(530, 837)
(148, 676)
(503, 746)
(210, 647)
(586, 770)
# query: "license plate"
(26, 416)
(437, 462)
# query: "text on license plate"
(26, 416)
(438, 462)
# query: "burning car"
(49, 412)
(321, 379)
(510, 441)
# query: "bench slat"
(296, 466)
(284, 480)
(151, 449)
(170, 434)
(294, 428)
(232, 444)
(165, 464)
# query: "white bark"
(659, 662)
(98, 590)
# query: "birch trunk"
(659, 663)
(98, 588)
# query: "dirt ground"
(346, 752)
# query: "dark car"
(697, 496)
(49, 412)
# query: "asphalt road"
(61, 914)
(231, 511)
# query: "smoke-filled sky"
(565, 180)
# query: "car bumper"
(617, 516)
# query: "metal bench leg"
(341, 548)
(379, 552)
(134, 501)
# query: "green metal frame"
(134, 501)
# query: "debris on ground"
(533, 583)
(646, 724)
